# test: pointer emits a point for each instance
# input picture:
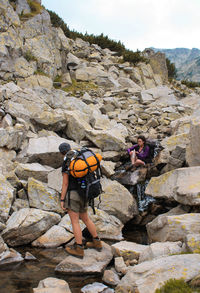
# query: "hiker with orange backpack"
(75, 204)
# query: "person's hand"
(62, 205)
(130, 153)
(137, 152)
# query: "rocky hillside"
(187, 62)
(54, 89)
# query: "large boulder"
(128, 250)
(181, 185)
(93, 262)
(150, 275)
(35, 170)
(10, 256)
(192, 150)
(116, 200)
(7, 195)
(173, 228)
(42, 197)
(54, 237)
(170, 143)
(26, 225)
(45, 150)
(193, 243)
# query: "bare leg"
(133, 157)
(89, 224)
(74, 217)
(139, 163)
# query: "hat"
(64, 147)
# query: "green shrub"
(101, 40)
(29, 56)
(35, 7)
(190, 84)
(80, 86)
(175, 286)
(172, 72)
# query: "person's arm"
(143, 155)
(65, 184)
(132, 148)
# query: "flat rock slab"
(128, 250)
(150, 275)
(93, 262)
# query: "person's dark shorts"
(77, 203)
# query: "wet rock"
(110, 277)
(150, 275)
(93, 262)
(26, 225)
(128, 250)
(173, 228)
(42, 197)
(7, 195)
(159, 249)
(181, 185)
(54, 237)
(116, 200)
(52, 285)
(96, 288)
(35, 170)
(10, 256)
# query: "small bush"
(175, 286)
(81, 87)
(172, 72)
(29, 56)
(35, 7)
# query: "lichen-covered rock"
(193, 242)
(26, 225)
(128, 250)
(173, 228)
(35, 170)
(7, 195)
(150, 275)
(93, 262)
(116, 200)
(42, 197)
(192, 150)
(54, 237)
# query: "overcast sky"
(138, 24)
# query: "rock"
(35, 170)
(181, 185)
(173, 228)
(26, 225)
(132, 177)
(93, 262)
(66, 223)
(94, 288)
(108, 140)
(22, 7)
(107, 226)
(158, 249)
(10, 256)
(55, 179)
(193, 242)
(120, 265)
(52, 285)
(110, 277)
(181, 125)
(36, 81)
(116, 200)
(3, 246)
(7, 195)
(107, 168)
(170, 143)
(128, 250)
(150, 275)
(128, 83)
(6, 121)
(45, 150)
(2, 226)
(19, 204)
(54, 237)
(29, 256)
(42, 197)
(192, 150)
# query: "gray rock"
(35, 170)
(3, 246)
(26, 225)
(193, 242)
(128, 250)
(55, 179)
(19, 204)
(7, 195)
(110, 277)
(29, 256)
(52, 285)
(150, 275)
(93, 262)
(94, 288)
(192, 150)
(22, 7)
(10, 256)
(120, 265)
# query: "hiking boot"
(96, 243)
(76, 250)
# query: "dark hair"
(64, 148)
(142, 138)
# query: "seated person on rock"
(140, 152)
